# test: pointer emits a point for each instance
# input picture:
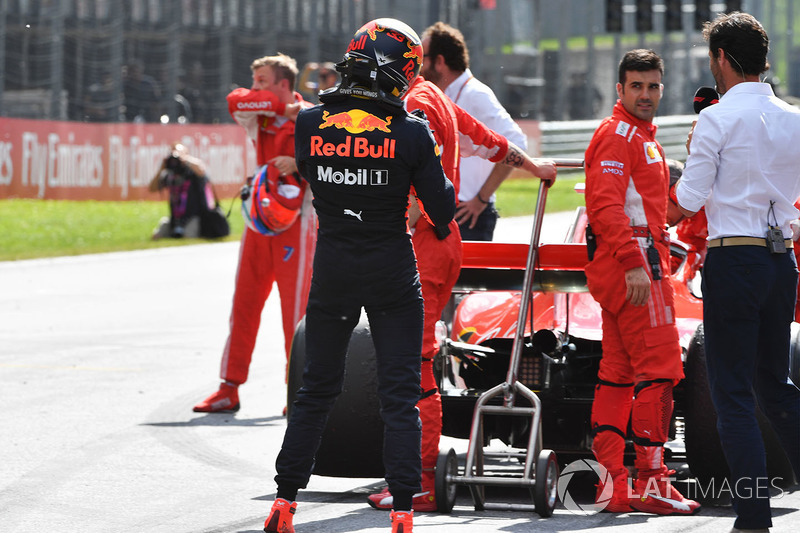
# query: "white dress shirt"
(477, 99)
(744, 154)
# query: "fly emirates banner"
(79, 161)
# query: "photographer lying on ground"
(192, 203)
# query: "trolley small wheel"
(545, 486)
(445, 490)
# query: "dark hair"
(675, 171)
(448, 42)
(744, 40)
(639, 60)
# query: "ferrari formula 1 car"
(558, 359)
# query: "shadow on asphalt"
(219, 420)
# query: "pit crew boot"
(402, 521)
(280, 517)
(610, 412)
(423, 502)
(225, 400)
(614, 492)
(654, 493)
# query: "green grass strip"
(32, 229)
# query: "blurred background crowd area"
(174, 61)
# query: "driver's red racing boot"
(654, 493)
(402, 521)
(225, 400)
(423, 502)
(280, 517)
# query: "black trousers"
(749, 296)
(484, 226)
(387, 286)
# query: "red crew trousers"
(439, 264)
(640, 365)
(285, 258)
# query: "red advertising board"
(77, 161)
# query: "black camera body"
(174, 164)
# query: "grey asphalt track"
(102, 358)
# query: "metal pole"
(537, 33)
(172, 46)
(772, 31)
(115, 33)
(787, 87)
(3, 11)
(617, 59)
(525, 297)
(688, 28)
(58, 111)
(565, 18)
(313, 39)
(666, 101)
(588, 95)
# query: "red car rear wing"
(557, 256)
(501, 266)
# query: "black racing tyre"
(545, 486)
(446, 465)
(703, 449)
(794, 355)
(352, 443)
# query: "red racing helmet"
(271, 202)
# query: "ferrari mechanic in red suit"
(285, 258)
(629, 276)
(458, 134)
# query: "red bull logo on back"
(356, 121)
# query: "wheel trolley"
(539, 466)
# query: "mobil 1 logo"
(361, 176)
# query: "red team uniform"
(285, 258)
(626, 202)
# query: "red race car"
(559, 360)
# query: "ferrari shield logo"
(651, 153)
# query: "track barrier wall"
(77, 161)
(80, 161)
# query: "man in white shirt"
(446, 63)
(744, 166)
